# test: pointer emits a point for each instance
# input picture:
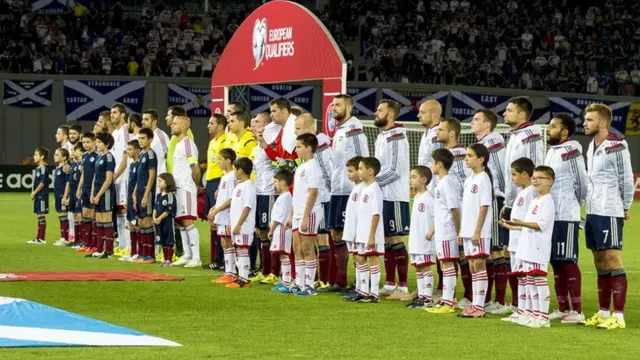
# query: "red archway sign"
(281, 41)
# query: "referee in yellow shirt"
(219, 140)
(239, 124)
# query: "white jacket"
(569, 189)
(349, 141)
(392, 149)
(324, 156)
(428, 143)
(525, 141)
(494, 142)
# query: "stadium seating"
(540, 45)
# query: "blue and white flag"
(53, 6)
(28, 324)
(84, 100)
(260, 95)
(195, 100)
(465, 104)
(364, 101)
(27, 94)
(410, 101)
(575, 107)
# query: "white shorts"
(187, 205)
(351, 246)
(223, 230)
(447, 250)
(422, 259)
(242, 240)
(516, 265)
(534, 269)
(364, 250)
(121, 194)
(476, 251)
(281, 241)
(315, 218)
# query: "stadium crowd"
(565, 46)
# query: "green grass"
(214, 322)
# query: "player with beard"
(75, 133)
(392, 150)
(160, 143)
(349, 141)
(121, 137)
(569, 190)
(609, 197)
(525, 140)
(134, 121)
(429, 116)
(285, 142)
(103, 124)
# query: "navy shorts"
(86, 199)
(603, 232)
(264, 204)
(337, 211)
(210, 194)
(75, 205)
(165, 233)
(500, 235)
(324, 228)
(60, 208)
(107, 201)
(564, 241)
(41, 206)
(396, 218)
(141, 212)
(131, 214)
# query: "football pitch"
(211, 321)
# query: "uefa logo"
(331, 124)
(259, 41)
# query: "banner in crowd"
(260, 95)
(195, 100)
(410, 101)
(84, 100)
(465, 104)
(15, 178)
(364, 101)
(633, 120)
(575, 107)
(54, 6)
(27, 94)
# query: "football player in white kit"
(160, 143)
(187, 175)
(392, 149)
(429, 116)
(121, 137)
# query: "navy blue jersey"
(133, 175)
(147, 161)
(74, 176)
(41, 176)
(166, 203)
(89, 161)
(59, 182)
(105, 163)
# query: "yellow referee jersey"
(244, 146)
(215, 145)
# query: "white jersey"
(351, 213)
(494, 142)
(392, 149)
(324, 156)
(569, 189)
(459, 170)
(525, 141)
(369, 206)
(282, 208)
(428, 143)
(477, 193)
(422, 221)
(446, 198)
(244, 196)
(519, 211)
(121, 138)
(69, 146)
(160, 144)
(227, 183)
(349, 141)
(184, 158)
(611, 187)
(264, 172)
(308, 176)
(535, 246)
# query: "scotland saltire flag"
(84, 100)
(575, 107)
(260, 95)
(410, 101)
(28, 324)
(53, 6)
(195, 100)
(364, 101)
(27, 94)
(465, 104)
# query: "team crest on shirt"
(92, 159)
(302, 173)
(365, 199)
(520, 202)
(474, 188)
(101, 162)
(437, 194)
(355, 197)
(224, 185)
(144, 160)
(421, 207)
(164, 202)
(535, 210)
(59, 172)
(238, 193)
